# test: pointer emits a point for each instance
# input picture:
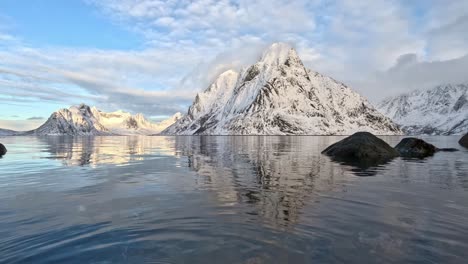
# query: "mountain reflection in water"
(246, 199)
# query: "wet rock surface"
(415, 148)
(362, 149)
(418, 148)
(3, 150)
(464, 141)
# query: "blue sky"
(45, 23)
(152, 56)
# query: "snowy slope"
(77, 120)
(442, 110)
(85, 120)
(123, 123)
(279, 96)
(7, 132)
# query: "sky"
(153, 56)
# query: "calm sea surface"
(226, 200)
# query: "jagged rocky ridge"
(85, 120)
(442, 110)
(279, 96)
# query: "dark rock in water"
(361, 149)
(464, 141)
(415, 148)
(3, 150)
(418, 148)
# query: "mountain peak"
(83, 106)
(278, 53)
(277, 96)
(229, 72)
(215, 95)
(223, 80)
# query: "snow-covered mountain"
(279, 96)
(442, 110)
(124, 123)
(7, 132)
(85, 120)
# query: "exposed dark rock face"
(3, 150)
(464, 141)
(252, 72)
(131, 123)
(362, 148)
(415, 148)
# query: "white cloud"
(228, 18)
(137, 81)
(6, 37)
(410, 73)
(447, 29)
(20, 125)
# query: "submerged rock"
(418, 148)
(361, 148)
(3, 150)
(464, 141)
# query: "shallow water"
(226, 199)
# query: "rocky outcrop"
(366, 150)
(418, 148)
(3, 150)
(361, 148)
(415, 147)
(464, 141)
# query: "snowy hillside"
(85, 120)
(7, 132)
(124, 123)
(279, 96)
(442, 110)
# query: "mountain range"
(442, 110)
(85, 120)
(279, 96)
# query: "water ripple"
(226, 199)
